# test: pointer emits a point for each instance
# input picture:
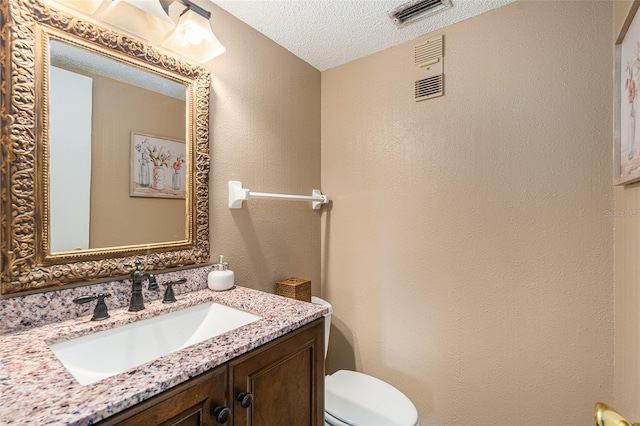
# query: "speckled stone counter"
(33, 310)
(37, 389)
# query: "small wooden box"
(295, 288)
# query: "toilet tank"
(327, 320)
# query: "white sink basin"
(100, 355)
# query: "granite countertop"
(37, 389)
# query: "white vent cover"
(429, 52)
(416, 10)
(429, 87)
(429, 61)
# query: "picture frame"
(626, 150)
(158, 167)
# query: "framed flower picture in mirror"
(626, 106)
(157, 167)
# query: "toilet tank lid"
(322, 303)
(358, 399)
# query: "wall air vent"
(429, 62)
(429, 52)
(416, 10)
(429, 87)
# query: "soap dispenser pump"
(220, 278)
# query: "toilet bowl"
(357, 399)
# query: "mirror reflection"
(118, 158)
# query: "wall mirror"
(105, 155)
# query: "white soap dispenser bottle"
(220, 278)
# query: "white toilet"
(356, 399)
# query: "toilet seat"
(329, 420)
(357, 399)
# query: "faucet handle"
(169, 296)
(100, 311)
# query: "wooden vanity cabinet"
(285, 380)
(279, 383)
(191, 403)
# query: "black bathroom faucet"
(137, 277)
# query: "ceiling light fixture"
(143, 18)
(193, 36)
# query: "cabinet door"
(191, 403)
(281, 383)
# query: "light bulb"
(193, 38)
(193, 35)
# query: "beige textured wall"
(467, 251)
(265, 132)
(627, 287)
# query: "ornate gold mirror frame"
(26, 263)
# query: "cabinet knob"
(246, 399)
(221, 414)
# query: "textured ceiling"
(328, 33)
